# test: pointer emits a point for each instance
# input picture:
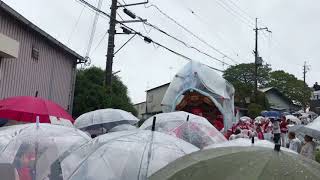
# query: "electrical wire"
(245, 14)
(141, 35)
(98, 45)
(234, 13)
(75, 25)
(191, 33)
(179, 40)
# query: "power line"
(181, 41)
(249, 17)
(75, 25)
(101, 40)
(147, 39)
(190, 32)
(234, 13)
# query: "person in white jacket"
(294, 143)
(309, 148)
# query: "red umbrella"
(27, 108)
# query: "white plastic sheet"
(202, 79)
(106, 118)
(126, 155)
(186, 126)
(33, 150)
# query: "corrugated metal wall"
(52, 75)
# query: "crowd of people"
(264, 128)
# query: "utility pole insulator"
(148, 40)
(126, 30)
(129, 13)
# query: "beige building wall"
(52, 74)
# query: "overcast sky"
(222, 23)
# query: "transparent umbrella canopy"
(123, 127)
(293, 119)
(104, 118)
(125, 155)
(240, 163)
(312, 129)
(188, 127)
(244, 142)
(32, 149)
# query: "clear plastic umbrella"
(245, 119)
(191, 128)
(312, 129)
(294, 119)
(123, 127)
(240, 163)
(104, 118)
(32, 149)
(244, 142)
(125, 155)
(259, 119)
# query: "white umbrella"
(34, 149)
(186, 126)
(123, 127)
(105, 118)
(245, 119)
(126, 155)
(312, 129)
(259, 119)
(244, 142)
(293, 119)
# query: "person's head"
(307, 138)
(258, 129)
(93, 136)
(292, 135)
(238, 131)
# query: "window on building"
(35, 53)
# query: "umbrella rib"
(140, 166)
(14, 137)
(111, 140)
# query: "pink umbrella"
(27, 108)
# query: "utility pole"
(305, 70)
(257, 59)
(256, 55)
(110, 54)
(112, 32)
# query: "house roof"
(139, 103)
(167, 84)
(25, 21)
(266, 89)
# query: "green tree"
(90, 93)
(241, 76)
(290, 86)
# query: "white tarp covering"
(202, 79)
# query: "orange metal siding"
(52, 75)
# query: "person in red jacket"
(259, 133)
(218, 123)
(284, 130)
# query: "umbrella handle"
(154, 123)
(38, 121)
